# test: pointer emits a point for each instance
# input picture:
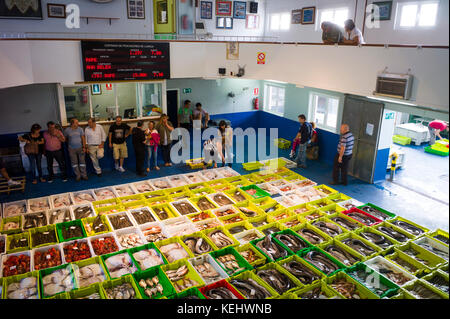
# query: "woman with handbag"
(152, 142)
(34, 148)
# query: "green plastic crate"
(48, 271)
(399, 255)
(259, 192)
(402, 140)
(325, 290)
(85, 262)
(389, 214)
(60, 226)
(391, 288)
(20, 236)
(251, 275)
(120, 281)
(340, 265)
(364, 293)
(439, 232)
(437, 150)
(16, 278)
(192, 273)
(188, 293)
(17, 218)
(239, 259)
(437, 273)
(298, 284)
(105, 257)
(90, 220)
(260, 261)
(87, 291)
(133, 250)
(377, 249)
(48, 228)
(291, 232)
(359, 258)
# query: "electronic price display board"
(125, 61)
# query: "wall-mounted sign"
(187, 91)
(96, 89)
(389, 116)
(256, 92)
(261, 58)
(124, 61)
(108, 86)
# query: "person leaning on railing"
(332, 33)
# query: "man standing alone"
(304, 135)
(343, 156)
(95, 140)
(118, 133)
(77, 147)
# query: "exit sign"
(187, 91)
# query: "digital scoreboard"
(125, 61)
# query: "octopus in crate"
(204, 204)
(193, 178)
(59, 216)
(130, 240)
(144, 187)
(123, 291)
(250, 288)
(222, 200)
(124, 190)
(220, 239)
(89, 275)
(60, 280)
(271, 248)
(277, 280)
(161, 184)
(34, 220)
(181, 274)
(152, 287)
(39, 205)
(311, 236)
(81, 198)
(207, 271)
(27, 288)
(197, 245)
(173, 252)
(60, 201)
(105, 193)
(184, 208)
(148, 258)
(119, 265)
(340, 254)
(153, 233)
(301, 272)
(14, 209)
(83, 212)
(142, 216)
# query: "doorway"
(172, 105)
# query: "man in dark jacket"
(139, 147)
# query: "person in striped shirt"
(343, 156)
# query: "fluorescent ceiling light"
(390, 101)
(281, 82)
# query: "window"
(417, 14)
(323, 110)
(280, 21)
(104, 104)
(77, 102)
(275, 99)
(337, 16)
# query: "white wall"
(344, 69)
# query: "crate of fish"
(153, 283)
(247, 236)
(105, 193)
(130, 238)
(174, 249)
(96, 225)
(56, 280)
(85, 210)
(317, 290)
(202, 191)
(408, 226)
(181, 196)
(273, 208)
(191, 293)
(72, 230)
(207, 224)
(311, 234)
(164, 212)
(182, 275)
(89, 271)
(232, 219)
(300, 269)
(184, 207)
(251, 254)
(433, 246)
(252, 166)
(16, 263)
(208, 269)
(104, 244)
(360, 245)
(231, 261)
(33, 220)
(94, 291)
(436, 149)
(142, 216)
(350, 203)
(407, 263)
(377, 238)
(198, 217)
(106, 203)
(251, 286)
(2, 245)
(121, 288)
(394, 232)
(271, 248)
(60, 200)
(134, 204)
(439, 280)
(321, 260)
(328, 227)
(120, 220)
(326, 190)
(302, 208)
(291, 240)
(238, 228)
(377, 212)
(349, 288)
(278, 278)
(430, 260)
(23, 286)
(332, 209)
(440, 235)
(119, 264)
(362, 217)
(124, 191)
(263, 201)
(147, 256)
(292, 221)
(36, 205)
(394, 273)
(320, 203)
(249, 209)
(421, 289)
(220, 290)
(154, 194)
(254, 191)
(59, 215)
(342, 253)
(11, 225)
(83, 197)
(76, 250)
(18, 242)
(269, 227)
(375, 282)
(160, 200)
(43, 236)
(47, 257)
(14, 208)
(221, 237)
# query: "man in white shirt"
(95, 140)
(352, 34)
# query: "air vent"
(394, 85)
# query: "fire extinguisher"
(83, 95)
(256, 103)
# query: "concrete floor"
(411, 196)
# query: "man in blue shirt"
(304, 135)
(77, 149)
(343, 156)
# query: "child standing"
(152, 141)
(211, 153)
